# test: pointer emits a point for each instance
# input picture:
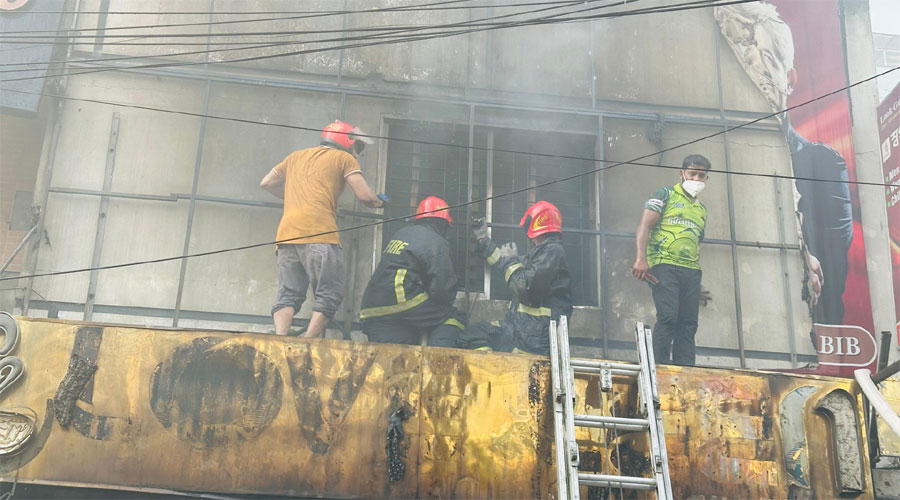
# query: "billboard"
(889, 133)
(793, 52)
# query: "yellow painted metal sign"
(210, 411)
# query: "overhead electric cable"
(536, 22)
(309, 15)
(391, 29)
(232, 42)
(125, 42)
(269, 12)
(459, 205)
(30, 34)
(479, 23)
(276, 44)
(510, 151)
(294, 15)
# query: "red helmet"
(545, 218)
(345, 136)
(436, 207)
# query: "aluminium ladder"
(565, 419)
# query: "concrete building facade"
(154, 154)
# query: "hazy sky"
(885, 16)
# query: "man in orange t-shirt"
(310, 181)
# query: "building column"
(860, 61)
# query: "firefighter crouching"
(540, 284)
(411, 293)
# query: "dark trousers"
(830, 247)
(677, 299)
(440, 323)
(496, 336)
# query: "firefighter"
(411, 293)
(540, 284)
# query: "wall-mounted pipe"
(867, 384)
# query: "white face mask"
(693, 188)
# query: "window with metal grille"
(433, 159)
(424, 159)
(554, 159)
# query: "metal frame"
(483, 101)
(198, 162)
(157, 312)
(101, 26)
(48, 159)
(469, 180)
(782, 253)
(489, 204)
(731, 221)
(18, 248)
(688, 115)
(600, 188)
(101, 217)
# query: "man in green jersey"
(668, 258)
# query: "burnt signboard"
(250, 413)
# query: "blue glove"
(385, 201)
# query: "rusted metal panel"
(486, 431)
(722, 435)
(216, 412)
(738, 434)
(757, 435)
(888, 441)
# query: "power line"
(568, 3)
(559, 3)
(543, 20)
(229, 43)
(696, 4)
(480, 200)
(296, 42)
(125, 42)
(306, 15)
(552, 5)
(527, 153)
(269, 12)
(292, 15)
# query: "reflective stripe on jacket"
(415, 266)
(541, 288)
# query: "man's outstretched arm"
(362, 190)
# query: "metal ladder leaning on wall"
(565, 419)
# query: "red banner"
(889, 133)
(793, 51)
(820, 67)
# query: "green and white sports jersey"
(676, 238)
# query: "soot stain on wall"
(320, 425)
(215, 394)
